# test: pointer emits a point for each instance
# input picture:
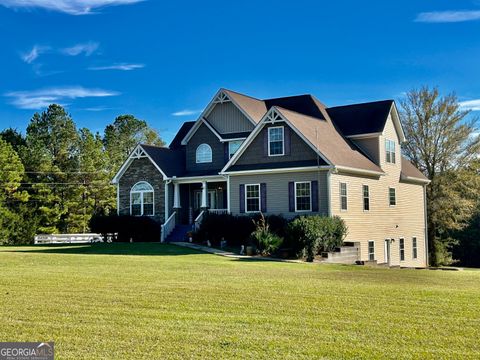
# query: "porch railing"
(218, 211)
(168, 227)
(198, 220)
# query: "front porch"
(188, 199)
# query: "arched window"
(141, 199)
(204, 153)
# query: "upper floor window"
(233, 146)
(366, 198)
(390, 151)
(343, 196)
(275, 141)
(204, 153)
(141, 199)
(392, 197)
(303, 196)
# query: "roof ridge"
(238, 93)
(362, 103)
(296, 112)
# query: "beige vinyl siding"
(277, 190)
(405, 220)
(227, 118)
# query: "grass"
(152, 301)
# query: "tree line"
(56, 177)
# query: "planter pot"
(250, 250)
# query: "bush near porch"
(126, 227)
(304, 236)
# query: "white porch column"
(204, 195)
(228, 194)
(176, 195)
(166, 201)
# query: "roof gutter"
(414, 179)
(358, 171)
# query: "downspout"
(426, 223)
(329, 196)
(118, 198)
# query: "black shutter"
(242, 198)
(315, 196)
(225, 152)
(263, 197)
(265, 141)
(291, 196)
(287, 133)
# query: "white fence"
(168, 227)
(67, 238)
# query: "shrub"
(309, 235)
(266, 241)
(138, 229)
(235, 229)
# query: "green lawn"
(154, 301)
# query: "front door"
(387, 251)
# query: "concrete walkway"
(230, 254)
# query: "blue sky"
(163, 61)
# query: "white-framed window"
(303, 196)
(276, 141)
(252, 198)
(366, 197)
(392, 197)
(204, 154)
(233, 146)
(371, 250)
(343, 196)
(390, 151)
(414, 248)
(142, 199)
(402, 249)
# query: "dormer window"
(204, 154)
(276, 141)
(390, 151)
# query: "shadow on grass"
(143, 249)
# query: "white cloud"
(41, 98)
(72, 7)
(473, 105)
(186, 112)
(36, 51)
(122, 67)
(78, 49)
(448, 16)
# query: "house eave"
(278, 170)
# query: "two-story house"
(289, 156)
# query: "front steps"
(347, 254)
(179, 234)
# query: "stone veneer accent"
(142, 170)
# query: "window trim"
(414, 248)
(310, 197)
(196, 154)
(230, 154)
(371, 255)
(389, 152)
(401, 249)
(389, 197)
(283, 140)
(142, 192)
(346, 196)
(364, 197)
(259, 199)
